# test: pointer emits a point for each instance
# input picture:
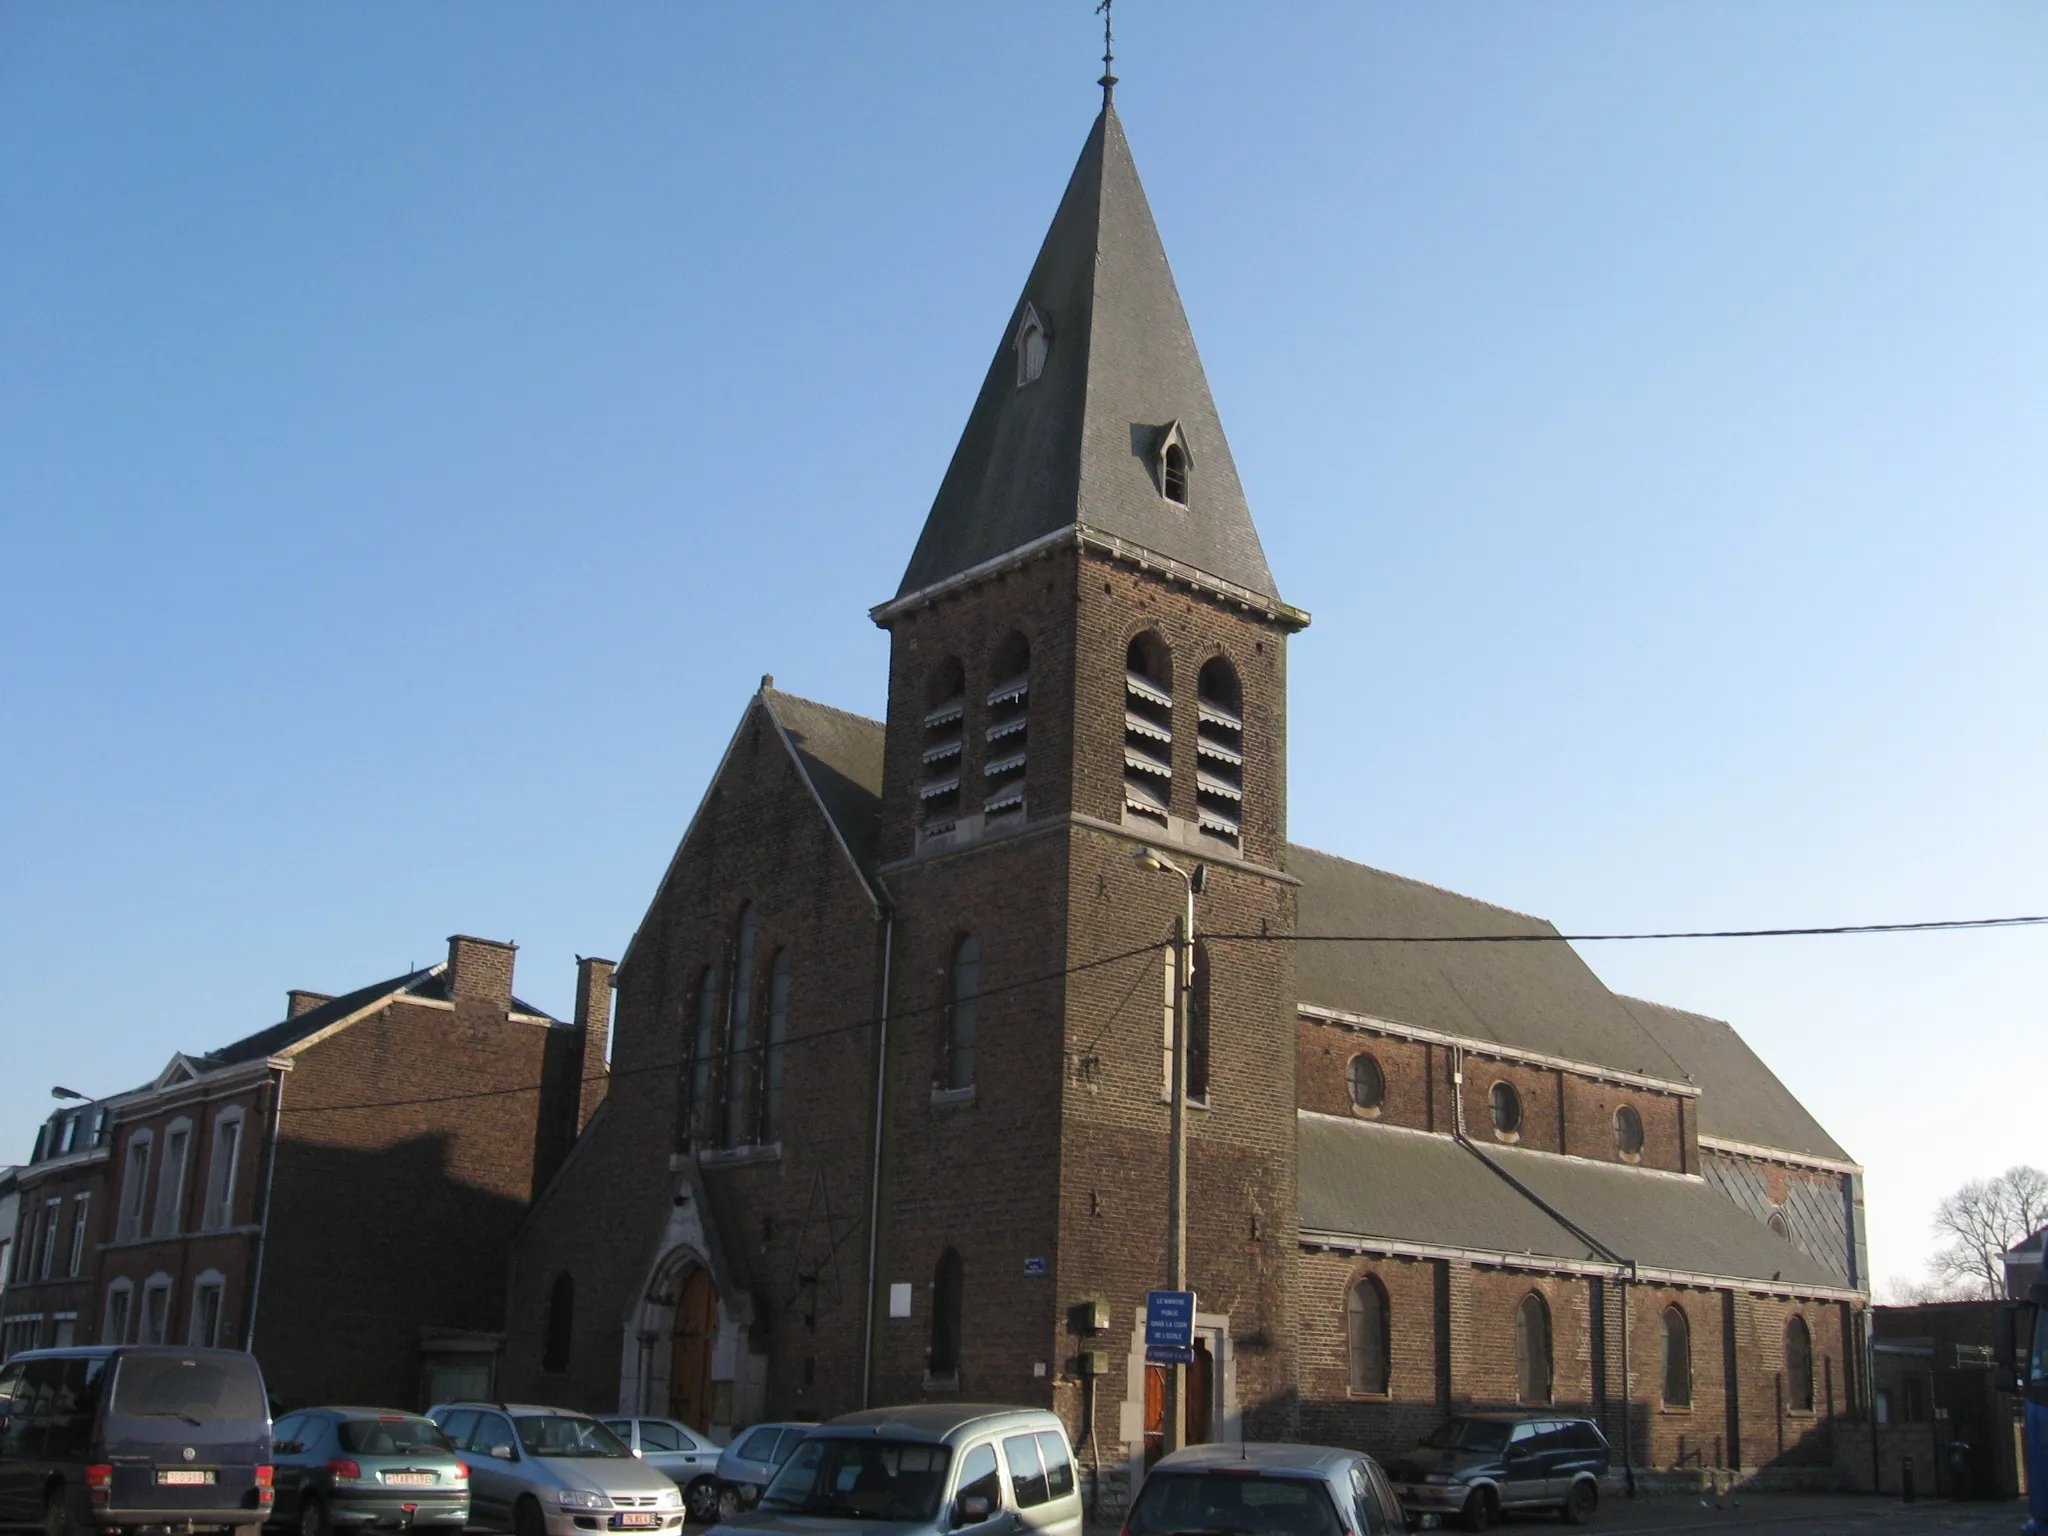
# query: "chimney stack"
(298, 1000)
(594, 1029)
(480, 971)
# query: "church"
(889, 1101)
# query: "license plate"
(638, 1522)
(183, 1477)
(410, 1479)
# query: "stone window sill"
(942, 1381)
(942, 1097)
(727, 1157)
(1676, 1410)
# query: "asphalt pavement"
(1796, 1514)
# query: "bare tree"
(1981, 1221)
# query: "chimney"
(480, 971)
(298, 1000)
(594, 1029)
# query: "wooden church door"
(696, 1335)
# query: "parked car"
(750, 1463)
(345, 1469)
(1474, 1465)
(133, 1435)
(1266, 1490)
(925, 1470)
(680, 1451)
(541, 1471)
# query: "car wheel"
(527, 1520)
(57, 1519)
(1480, 1509)
(728, 1503)
(1580, 1503)
(313, 1519)
(700, 1500)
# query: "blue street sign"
(1161, 1354)
(1170, 1320)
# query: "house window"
(69, 1140)
(963, 993)
(1033, 342)
(703, 1047)
(1148, 728)
(1368, 1084)
(170, 1179)
(554, 1355)
(53, 1220)
(1009, 721)
(156, 1311)
(207, 1291)
(220, 1171)
(938, 790)
(948, 1285)
(1367, 1332)
(81, 1208)
(778, 1047)
(1798, 1365)
(120, 1295)
(134, 1187)
(1677, 1359)
(1198, 1025)
(1628, 1132)
(739, 1053)
(1219, 751)
(1507, 1111)
(1532, 1350)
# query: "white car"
(686, 1455)
(540, 1471)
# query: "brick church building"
(888, 1114)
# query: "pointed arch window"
(1677, 1358)
(703, 1052)
(1148, 728)
(963, 993)
(1176, 465)
(1798, 1365)
(776, 1047)
(1367, 1332)
(1219, 750)
(1532, 1350)
(949, 1284)
(1033, 342)
(1009, 730)
(938, 790)
(554, 1355)
(739, 1052)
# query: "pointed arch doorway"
(692, 1345)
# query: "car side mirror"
(974, 1508)
(503, 1453)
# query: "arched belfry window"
(1176, 467)
(554, 1354)
(740, 1055)
(697, 1123)
(1148, 727)
(963, 1006)
(1009, 730)
(1532, 1350)
(775, 1048)
(1033, 342)
(938, 789)
(1677, 1359)
(1798, 1365)
(1219, 750)
(1198, 1025)
(1367, 1334)
(949, 1284)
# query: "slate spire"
(1083, 442)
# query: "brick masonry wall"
(1331, 1413)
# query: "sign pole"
(1177, 1203)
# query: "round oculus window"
(1628, 1131)
(1507, 1109)
(1368, 1083)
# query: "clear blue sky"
(420, 426)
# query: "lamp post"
(1177, 1180)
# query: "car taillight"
(264, 1476)
(100, 1481)
(462, 1471)
(345, 1469)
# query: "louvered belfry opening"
(1009, 730)
(938, 789)
(1148, 728)
(1219, 752)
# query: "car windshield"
(1232, 1504)
(563, 1434)
(390, 1435)
(861, 1479)
(1469, 1435)
(195, 1388)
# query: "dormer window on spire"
(1176, 467)
(1033, 342)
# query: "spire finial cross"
(1108, 80)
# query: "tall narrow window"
(207, 1292)
(170, 1179)
(119, 1297)
(1366, 1327)
(1532, 1350)
(948, 1286)
(1033, 342)
(53, 1237)
(1148, 728)
(1677, 1359)
(739, 1033)
(963, 1006)
(156, 1311)
(777, 1047)
(938, 790)
(1219, 751)
(1176, 469)
(703, 1051)
(1798, 1365)
(1198, 1025)
(134, 1188)
(80, 1210)
(220, 1171)
(1009, 727)
(554, 1354)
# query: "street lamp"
(67, 1093)
(1177, 1182)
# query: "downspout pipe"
(867, 1342)
(269, 1183)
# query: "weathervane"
(1108, 80)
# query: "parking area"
(1808, 1514)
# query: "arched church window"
(938, 790)
(1507, 1111)
(703, 1049)
(1677, 1359)
(949, 1284)
(739, 1032)
(1628, 1132)
(1532, 1350)
(554, 1355)
(776, 1047)
(1798, 1365)
(1148, 728)
(1198, 1025)
(1009, 729)
(1219, 750)
(963, 993)
(1176, 466)
(1367, 1334)
(1368, 1084)
(1033, 343)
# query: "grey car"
(541, 1471)
(924, 1470)
(685, 1454)
(750, 1463)
(346, 1469)
(1266, 1490)
(1474, 1465)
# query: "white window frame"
(219, 1213)
(158, 1284)
(52, 1224)
(81, 1211)
(135, 1185)
(210, 1283)
(125, 1290)
(170, 1182)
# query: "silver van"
(925, 1470)
(539, 1471)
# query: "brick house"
(54, 1230)
(888, 1118)
(336, 1192)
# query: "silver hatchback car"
(1266, 1490)
(541, 1471)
